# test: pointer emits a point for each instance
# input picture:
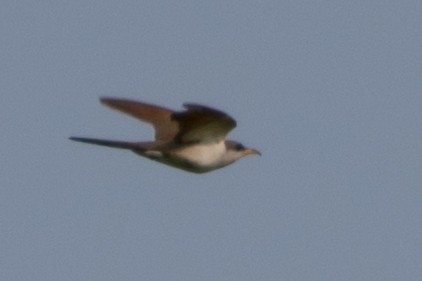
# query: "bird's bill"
(252, 151)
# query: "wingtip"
(196, 106)
(107, 100)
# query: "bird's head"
(236, 150)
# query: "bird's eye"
(239, 147)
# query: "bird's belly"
(202, 154)
(199, 158)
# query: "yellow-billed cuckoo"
(192, 140)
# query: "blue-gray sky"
(329, 91)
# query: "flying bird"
(193, 140)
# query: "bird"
(193, 140)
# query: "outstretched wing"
(196, 124)
(160, 117)
(202, 124)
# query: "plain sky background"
(329, 91)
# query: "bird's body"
(192, 140)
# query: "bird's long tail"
(109, 143)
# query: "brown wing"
(202, 124)
(160, 117)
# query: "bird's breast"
(208, 154)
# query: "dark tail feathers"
(109, 143)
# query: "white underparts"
(208, 154)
